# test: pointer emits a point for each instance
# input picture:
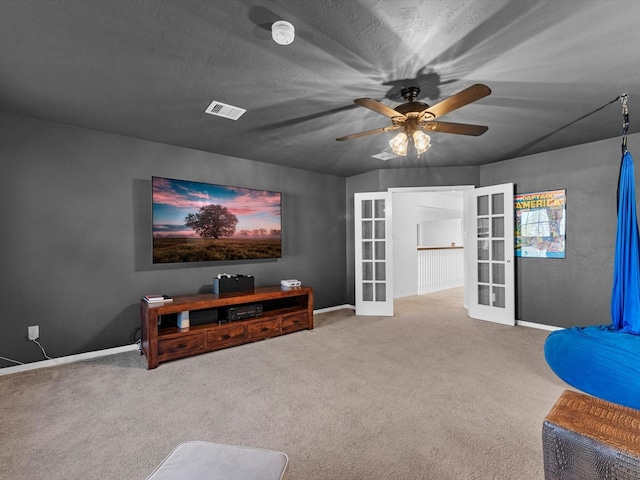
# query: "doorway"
(416, 205)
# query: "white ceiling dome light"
(282, 32)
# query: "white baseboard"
(539, 326)
(405, 295)
(68, 359)
(332, 309)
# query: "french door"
(373, 254)
(489, 227)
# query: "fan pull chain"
(625, 121)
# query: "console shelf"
(284, 310)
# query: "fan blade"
(457, 128)
(377, 107)
(460, 99)
(369, 132)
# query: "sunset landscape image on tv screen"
(199, 222)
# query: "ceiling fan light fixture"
(399, 144)
(282, 32)
(421, 141)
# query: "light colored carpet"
(426, 394)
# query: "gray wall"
(575, 290)
(76, 217)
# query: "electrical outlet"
(34, 332)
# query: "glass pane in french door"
(367, 292)
(367, 250)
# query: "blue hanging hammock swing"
(604, 360)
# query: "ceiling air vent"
(223, 110)
(384, 156)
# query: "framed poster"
(540, 224)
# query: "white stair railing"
(440, 268)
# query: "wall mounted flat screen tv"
(200, 222)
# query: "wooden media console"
(284, 310)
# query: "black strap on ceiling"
(625, 121)
(625, 127)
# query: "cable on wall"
(10, 360)
(22, 363)
(42, 348)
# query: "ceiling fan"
(415, 117)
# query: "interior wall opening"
(428, 229)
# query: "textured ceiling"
(148, 69)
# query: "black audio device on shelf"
(242, 312)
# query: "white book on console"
(157, 298)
